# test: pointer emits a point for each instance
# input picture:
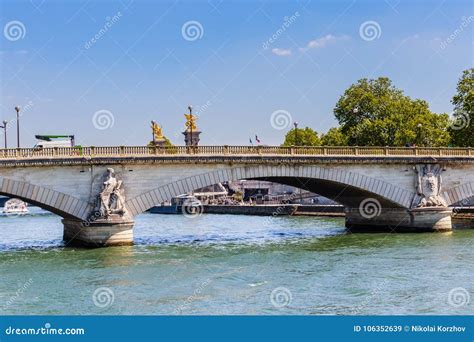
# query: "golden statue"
(157, 132)
(190, 120)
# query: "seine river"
(220, 264)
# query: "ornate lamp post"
(5, 131)
(17, 108)
(191, 133)
(296, 133)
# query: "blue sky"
(237, 64)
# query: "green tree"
(302, 137)
(334, 137)
(462, 127)
(375, 113)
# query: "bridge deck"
(235, 154)
(61, 152)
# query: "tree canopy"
(462, 126)
(375, 113)
(302, 137)
(334, 137)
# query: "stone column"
(109, 224)
(101, 233)
(428, 213)
(191, 139)
(399, 220)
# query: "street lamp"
(296, 133)
(190, 108)
(418, 132)
(17, 108)
(5, 131)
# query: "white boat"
(15, 206)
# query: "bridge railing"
(123, 151)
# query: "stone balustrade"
(131, 151)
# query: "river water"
(222, 264)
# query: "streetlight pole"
(191, 124)
(296, 133)
(17, 108)
(418, 133)
(5, 131)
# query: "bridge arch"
(459, 194)
(54, 201)
(325, 181)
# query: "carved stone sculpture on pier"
(112, 197)
(428, 186)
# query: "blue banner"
(237, 328)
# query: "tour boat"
(15, 206)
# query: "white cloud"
(281, 52)
(322, 42)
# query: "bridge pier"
(100, 233)
(434, 219)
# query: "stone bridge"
(98, 190)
